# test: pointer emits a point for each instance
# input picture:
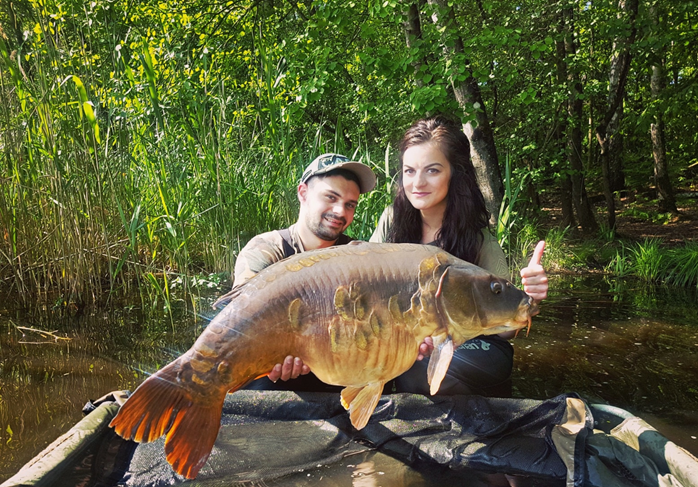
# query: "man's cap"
(329, 162)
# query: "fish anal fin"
(348, 394)
(438, 363)
(364, 404)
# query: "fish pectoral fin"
(439, 362)
(361, 402)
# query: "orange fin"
(160, 405)
(365, 400)
(348, 394)
(190, 439)
(439, 362)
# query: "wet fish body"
(356, 314)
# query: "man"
(328, 193)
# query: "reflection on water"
(375, 469)
(618, 342)
(44, 382)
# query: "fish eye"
(496, 287)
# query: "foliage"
(620, 264)
(558, 254)
(682, 265)
(648, 260)
(636, 211)
(507, 213)
(143, 142)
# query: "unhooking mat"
(277, 438)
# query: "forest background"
(142, 143)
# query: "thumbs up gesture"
(533, 277)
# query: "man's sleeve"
(258, 254)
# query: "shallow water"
(617, 342)
(611, 341)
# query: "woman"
(438, 202)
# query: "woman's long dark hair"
(466, 214)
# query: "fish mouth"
(527, 310)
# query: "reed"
(508, 216)
(136, 171)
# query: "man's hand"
(533, 277)
(290, 369)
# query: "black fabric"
(287, 243)
(343, 240)
(285, 439)
(266, 436)
(480, 366)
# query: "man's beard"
(324, 233)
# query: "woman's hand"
(290, 369)
(425, 348)
(533, 277)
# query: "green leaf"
(82, 92)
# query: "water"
(617, 342)
(46, 381)
(611, 341)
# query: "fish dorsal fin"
(439, 361)
(224, 300)
(361, 402)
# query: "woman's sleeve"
(492, 256)
(380, 234)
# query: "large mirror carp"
(356, 314)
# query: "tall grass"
(648, 260)
(620, 264)
(508, 216)
(137, 170)
(682, 265)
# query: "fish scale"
(355, 314)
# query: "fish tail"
(160, 406)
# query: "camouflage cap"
(329, 162)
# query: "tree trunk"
(616, 175)
(665, 192)
(567, 205)
(482, 148)
(620, 64)
(585, 213)
(413, 34)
